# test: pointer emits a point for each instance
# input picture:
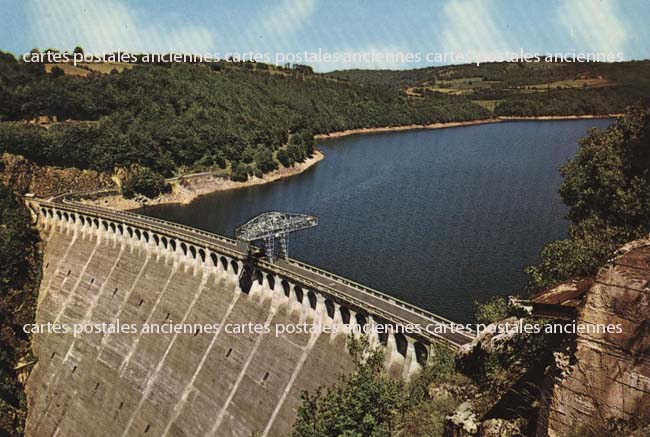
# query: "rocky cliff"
(591, 383)
(606, 385)
(26, 176)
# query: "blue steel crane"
(272, 229)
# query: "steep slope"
(609, 375)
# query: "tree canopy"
(607, 189)
(169, 116)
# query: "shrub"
(296, 152)
(146, 182)
(239, 172)
(264, 159)
(285, 159)
(492, 310)
(607, 189)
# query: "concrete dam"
(120, 268)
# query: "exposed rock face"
(501, 428)
(463, 422)
(27, 177)
(609, 375)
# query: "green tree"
(370, 403)
(296, 152)
(146, 182)
(264, 159)
(607, 189)
(492, 310)
(285, 159)
(239, 172)
(365, 403)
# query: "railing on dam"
(139, 217)
(350, 283)
(358, 295)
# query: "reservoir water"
(439, 218)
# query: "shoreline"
(196, 186)
(559, 117)
(199, 185)
(451, 124)
(374, 130)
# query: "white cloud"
(112, 25)
(278, 25)
(470, 28)
(287, 17)
(593, 25)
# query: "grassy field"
(470, 85)
(572, 83)
(107, 67)
(466, 85)
(68, 69)
(488, 104)
(84, 69)
(532, 88)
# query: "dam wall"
(98, 269)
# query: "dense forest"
(181, 115)
(525, 89)
(510, 74)
(19, 276)
(604, 100)
(251, 118)
(607, 189)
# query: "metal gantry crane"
(272, 229)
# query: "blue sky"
(424, 26)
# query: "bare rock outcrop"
(501, 428)
(462, 422)
(26, 176)
(607, 381)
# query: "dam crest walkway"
(432, 328)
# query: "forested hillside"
(19, 276)
(525, 89)
(607, 188)
(251, 118)
(225, 114)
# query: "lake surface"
(439, 218)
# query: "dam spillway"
(101, 266)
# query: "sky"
(386, 29)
